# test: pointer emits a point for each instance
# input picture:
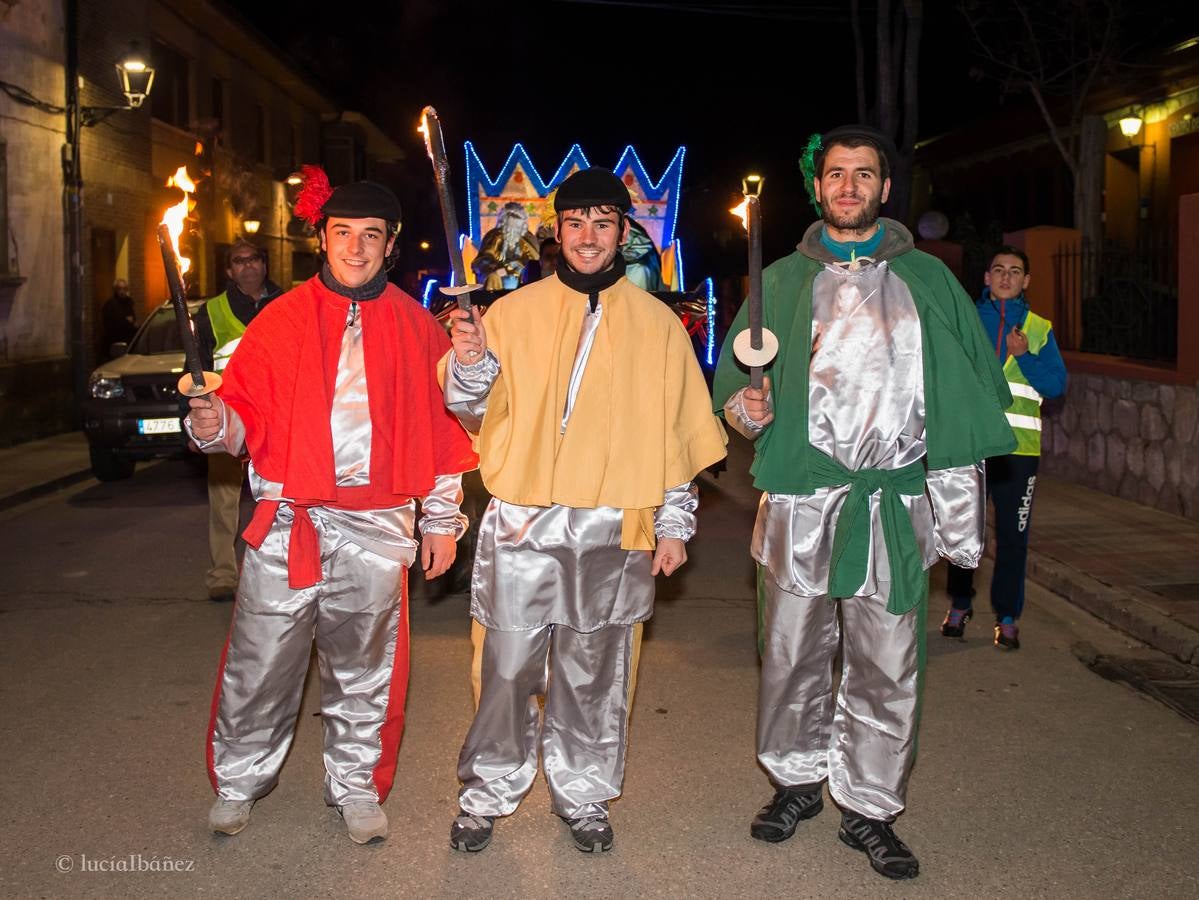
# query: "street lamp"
(137, 78)
(1130, 126)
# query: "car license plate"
(158, 426)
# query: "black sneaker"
(592, 834)
(470, 833)
(776, 820)
(889, 856)
(1007, 637)
(954, 625)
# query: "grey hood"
(897, 240)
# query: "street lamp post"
(137, 79)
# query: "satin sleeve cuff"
(959, 502)
(230, 439)
(441, 509)
(675, 518)
(735, 415)
(467, 387)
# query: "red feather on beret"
(314, 194)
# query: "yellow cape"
(642, 421)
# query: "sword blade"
(435, 147)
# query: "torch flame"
(423, 129)
(741, 211)
(177, 214)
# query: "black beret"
(589, 188)
(363, 200)
(881, 142)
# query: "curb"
(40, 490)
(1115, 606)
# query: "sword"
(755, 346)
(430, 127)
(196, 382)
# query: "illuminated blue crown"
(655, 205)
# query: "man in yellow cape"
(592, 420)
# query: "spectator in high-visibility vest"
(220, 323)
(1033, 366)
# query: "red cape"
(281, 380)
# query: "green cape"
(965, 396)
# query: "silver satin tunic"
(866, 410)
(559, 601)
(357, 613)
(541, 565)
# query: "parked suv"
(133, 409)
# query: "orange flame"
(175, 216)
(741, 211)
(423, 131)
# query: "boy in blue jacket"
(1035, 371)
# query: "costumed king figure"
(869, 430)
(589, 406)
(333, 394)
(506, 250)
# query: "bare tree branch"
(1067, 155)
(886, 75)
(859, 57)
(914, 10)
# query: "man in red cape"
(333, 395)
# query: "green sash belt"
(851, 541)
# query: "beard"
(512, 230)
(864, 218)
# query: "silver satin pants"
(359, 616)
(586, 679)
(865, 745)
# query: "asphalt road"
(1036, 778)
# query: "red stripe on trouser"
(216, 704)
(393, 720)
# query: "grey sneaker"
(470, 833)
(592, 834)
(229, 816)
(365, 821)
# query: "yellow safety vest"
(226, 328)
(1024, 415)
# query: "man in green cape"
(869, 432)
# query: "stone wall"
(1135, 439)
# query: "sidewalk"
(29, 470)
(1131, 566)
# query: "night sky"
(741, 91)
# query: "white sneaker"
(229, 816)
(365, 821)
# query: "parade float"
(509, 236)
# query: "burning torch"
(755, 346)
(196, 382)
(430, 127)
